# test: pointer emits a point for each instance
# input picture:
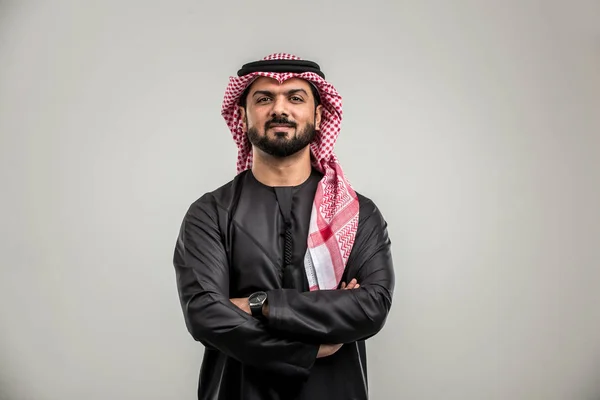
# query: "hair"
(315, 92)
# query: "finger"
(343, 285)
(357, 286)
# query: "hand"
(242, 304)
(326, 350)
(352, 285)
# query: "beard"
(281, 146)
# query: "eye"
(296, 98)
(262, 99)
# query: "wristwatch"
(256, 301)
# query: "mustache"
(280, 121)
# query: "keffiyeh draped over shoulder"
(334, 217)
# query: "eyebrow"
(289, 92)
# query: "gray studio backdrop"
(473, 125)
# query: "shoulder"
(219, 199)
(372, 225)
(372, 234)
(368, 211)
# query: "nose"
(279, 107)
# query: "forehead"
(272, 85)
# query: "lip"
(279, 126)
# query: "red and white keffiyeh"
(334, 217)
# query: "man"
(262, 262)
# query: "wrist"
(256, 302)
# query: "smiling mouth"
(273, 126)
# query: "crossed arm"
(321, 317)
(325, 350)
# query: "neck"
(289, 171)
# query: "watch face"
(258, 298)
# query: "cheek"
(256, 118)
(307, 116)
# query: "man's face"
(280, 119)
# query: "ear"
(244, 118)
(318, 115)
